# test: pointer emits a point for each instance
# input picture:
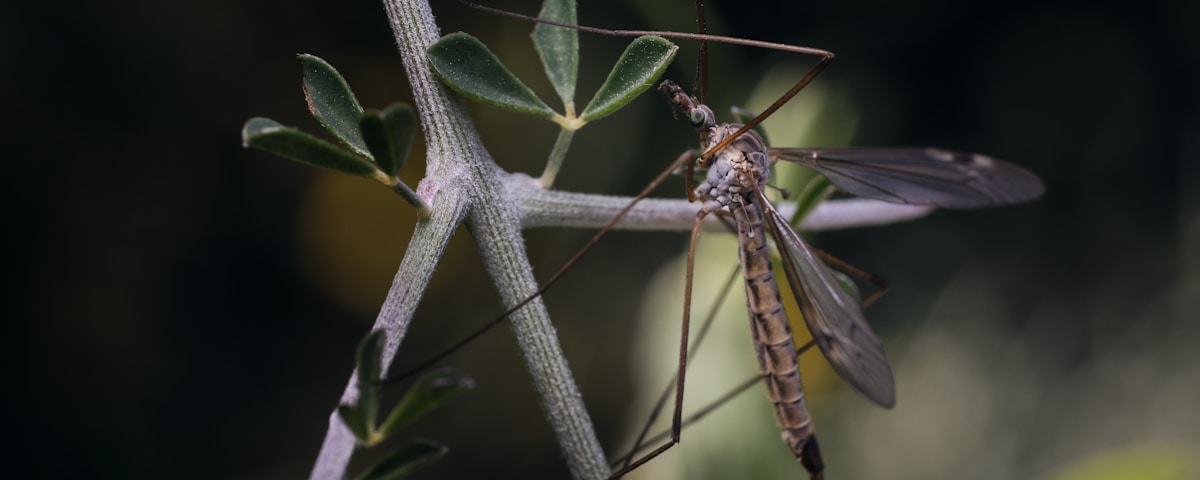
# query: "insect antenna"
(700, 88)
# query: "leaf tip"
(257, 126)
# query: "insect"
(737, 163)
(738, 167)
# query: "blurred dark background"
(180, 306)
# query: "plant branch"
(551, 208)
(557, 155)
(427, 245)
(462, 182)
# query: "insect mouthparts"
(680, 101)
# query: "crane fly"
(738, 164)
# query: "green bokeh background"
(178, 306)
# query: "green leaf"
(388, 135)
(356, 421)
(268, 135)
(361, 417)
(430, 391)
(638, 68)
(467, 66)
(369, 355)
(405, 461)
(369, 352)
(558, 47)
(331, 102)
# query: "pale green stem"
(557, 155)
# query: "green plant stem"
(557, 155)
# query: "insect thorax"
(736, 170)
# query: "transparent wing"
(833, 316)
(923, 176)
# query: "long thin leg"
(826, 59)
(677, 416)
(881, 287)
(702, 59)
(719, 401)
(880, 283)
(640, 442)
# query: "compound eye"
(698, 117)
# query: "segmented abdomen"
(772, 338)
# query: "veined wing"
(923, 176)
(833, 316)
